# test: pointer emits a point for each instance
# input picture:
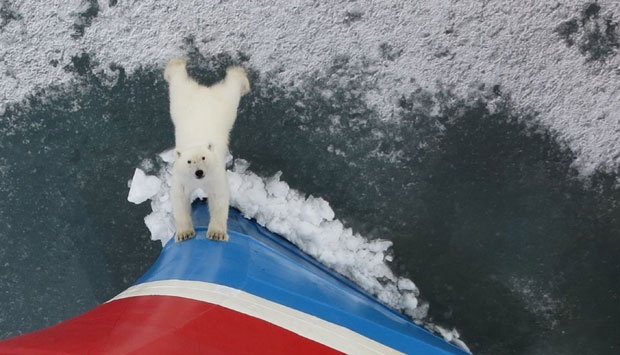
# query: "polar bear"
(203, 117)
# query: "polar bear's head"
(195, 161)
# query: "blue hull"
(256, 293)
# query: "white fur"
(203, 117)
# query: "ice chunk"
(277, 188)
(406, 285)
(167, 156)
(143, 187)
(160, 226)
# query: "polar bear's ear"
(178, 154)
(210, 146)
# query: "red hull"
(180, 326)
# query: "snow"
(307, 221)
(458, 44)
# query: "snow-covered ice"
(459, 44)
(142, 187)
(306, 221)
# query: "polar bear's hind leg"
(175, 67)
(239, 75)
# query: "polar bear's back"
(204, 114)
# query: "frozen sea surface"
(556, 59)
(479, 139)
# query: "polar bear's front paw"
(184, 234)
(217, 234)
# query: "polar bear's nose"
(199, 174)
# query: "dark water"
(70, 238)
(504, 240)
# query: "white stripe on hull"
(306, 325)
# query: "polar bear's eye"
(203, 158)
(189, 162)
